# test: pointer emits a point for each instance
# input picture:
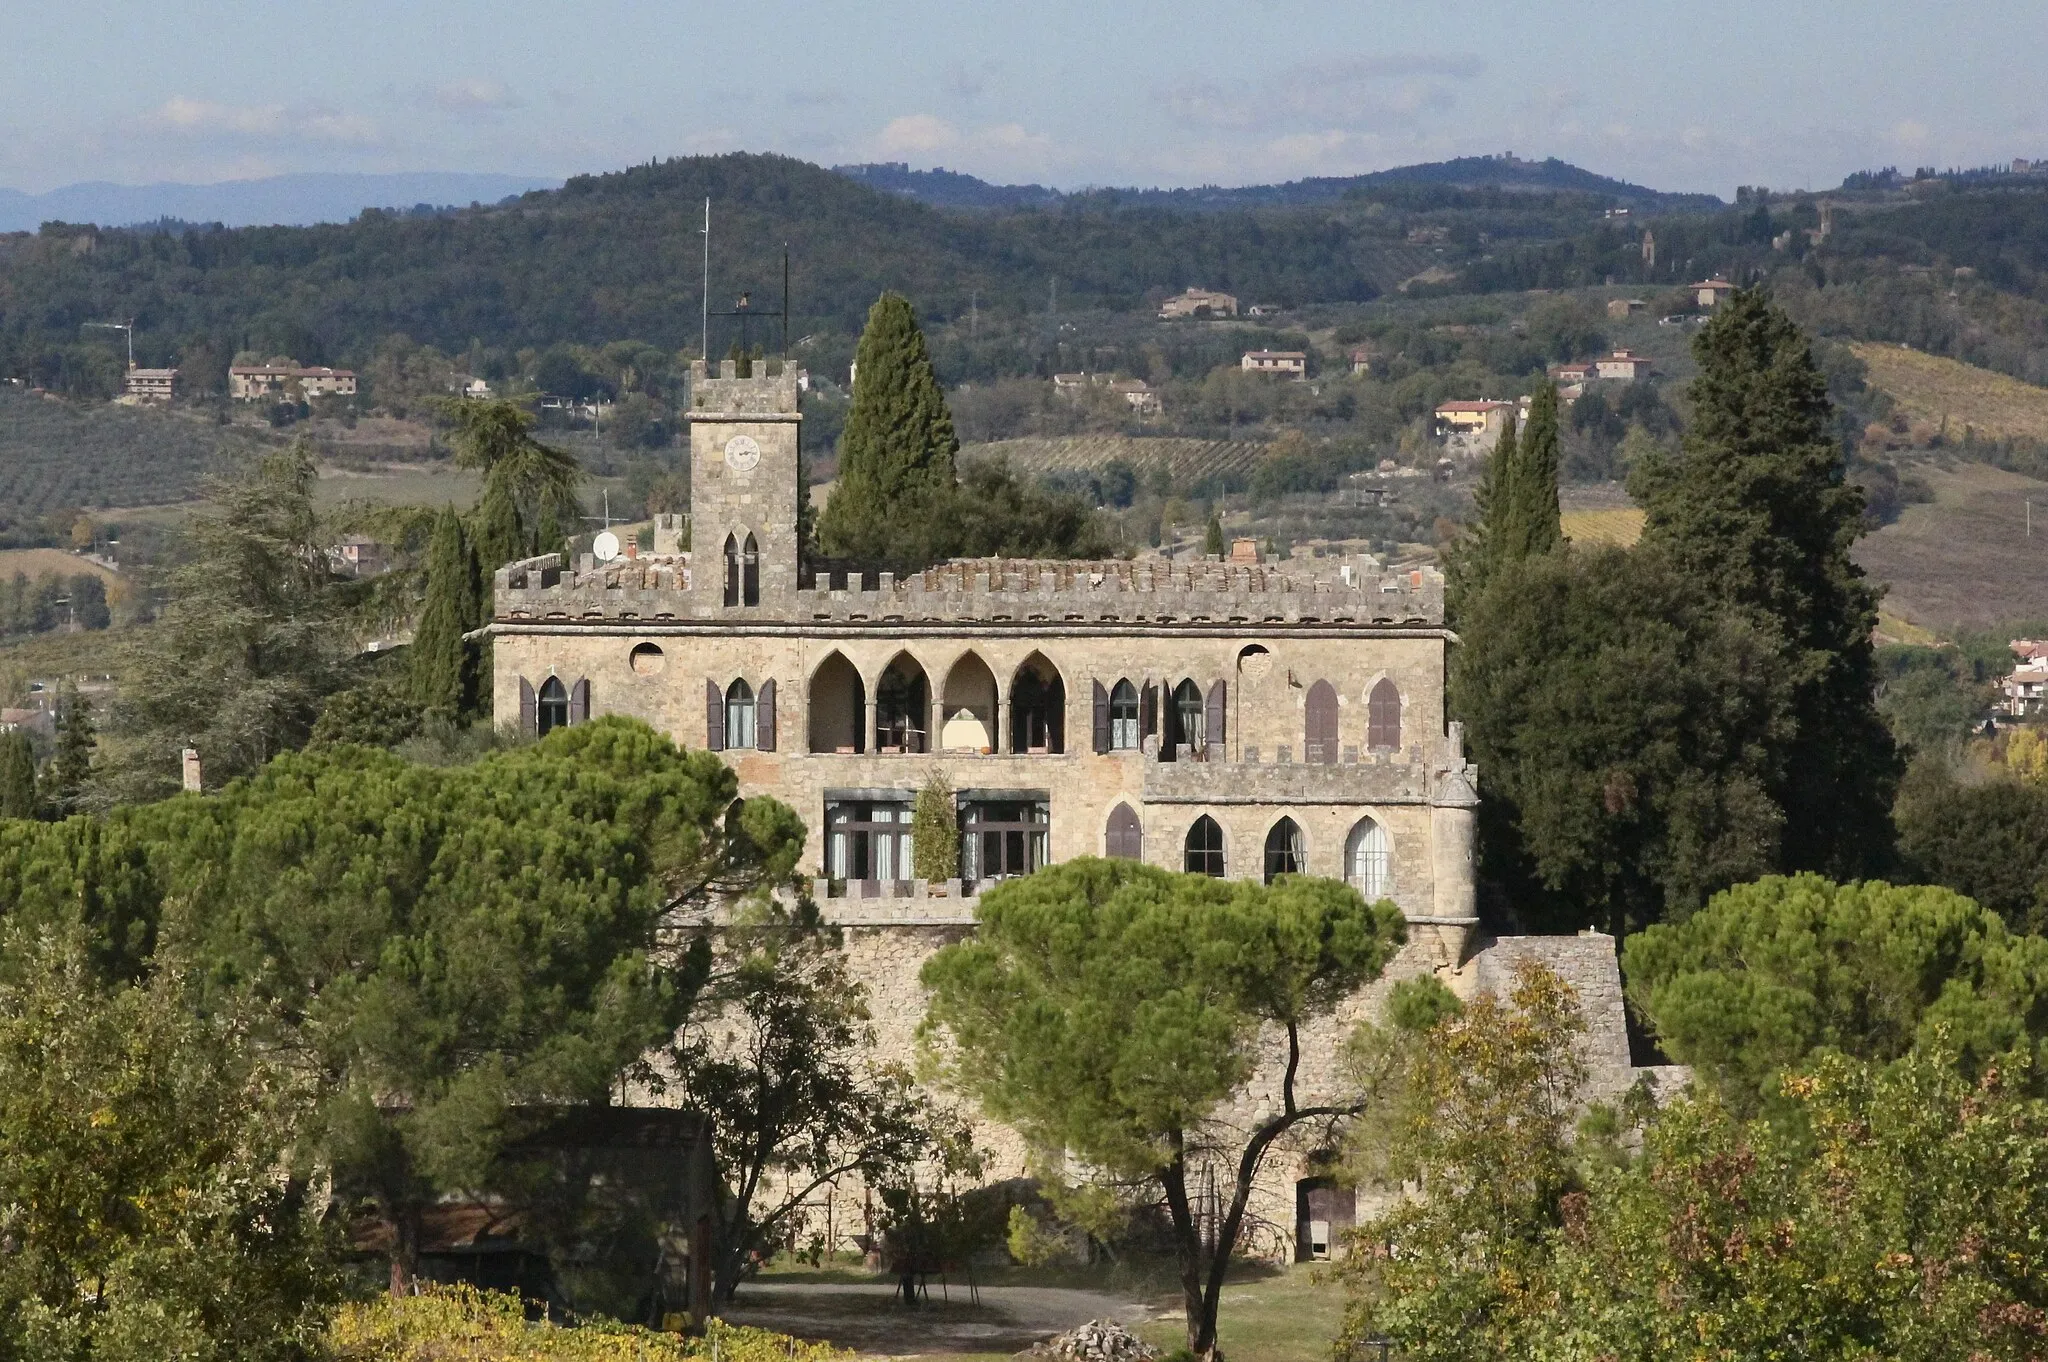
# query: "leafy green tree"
(782, 1050)
(1893, 1214)
(1629, 729)
(18, 777)
(1757, 509)
(1108, 1010)
(85, 877)
(1469, 564)
(152, 1175)
(445, 946)
(1534, 528)
(380, 712)
(442, 678)
(935, 831)
(1988, 842)
(896, 452)
(1481, 1135)
(1768, 973)
(71, 767)
(249, 645)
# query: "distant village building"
(1361, 359)
(1136, 392)
(357, 557)
(1624, 365)
(1620, 309)
(1472, 427)
(1263, 310)
(254, 382)
(477, 390)
(2025, 689)
(151, 385)
(1289, 363)
(1712, 292)
(1577, 371)
(1199, 302)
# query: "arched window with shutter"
(553, 710)
(764, 717)
(1123, 837)
(1383, 717)
(1319, 726)
(1124, 735)
(739, 715)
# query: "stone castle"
(1235, 718)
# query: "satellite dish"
(605, 546)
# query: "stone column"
(1002, 734)
(867, 742)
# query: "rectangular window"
(868, 841)
(1000, 838)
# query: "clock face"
(742, 453)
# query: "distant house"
(1137, 394)
(1622, 364)
(254, 382)
(476, 390)
(1263, 310)
(1622, 308)
(1578, 371)
(151, 385)
(2030, 649)
(1712, 292)
(1199, 302)
(1361, 358)
(1472, 427)
(2025, 689)
(1290, 363)
(1069, 385)
(357, 557)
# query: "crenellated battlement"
(1352, 590)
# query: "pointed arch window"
(1124, 735)
(739, 715)
(1319, 736)
(732, 570)
(1284, 852)
(1124, 836)
(1203, 850)
(750, 572)
(1369, 860)
(1383, 717)
(553, 710)
(1185, 719)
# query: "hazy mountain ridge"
(278, 200)
(942, 188)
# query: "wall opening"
(837, 707)
(903, 707)
(968, 707)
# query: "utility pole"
(705, 346)
(127, 326)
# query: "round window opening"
(647, 659)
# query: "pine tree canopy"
(896, 453)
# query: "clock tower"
(745, 441)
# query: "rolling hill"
(294, 200)
(1935, 391)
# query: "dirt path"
(871, 1317)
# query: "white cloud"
(476, 95)
(1341, 92)
(200, 118)
(916, 135)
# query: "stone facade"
(1239, 718)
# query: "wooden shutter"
(1148, 711)
(1212, 720)
(1319, 736)
(1101, 719)
(1383, 717)
(764, 717)
(529, 709)
(579, 701)
(1124, 838)
(714, 717)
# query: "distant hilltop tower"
(1649, 249)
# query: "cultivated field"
(1931, 388)
(36, 562)
(1965, 560)
(1620, 526)
(1190, 460)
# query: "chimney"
(192, 769)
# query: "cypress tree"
(896, 454)
(438, 679)
(1470, 564)
(498, 537)
(1213, 541)
(1536, 523)
(71, 768)
(1757, 509)
(17, 776)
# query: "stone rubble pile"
(1099, 1340)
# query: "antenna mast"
(705, 344)
(785, 300)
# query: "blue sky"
(1678, 96)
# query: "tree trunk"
(405, 1248)
(1200, 1307)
